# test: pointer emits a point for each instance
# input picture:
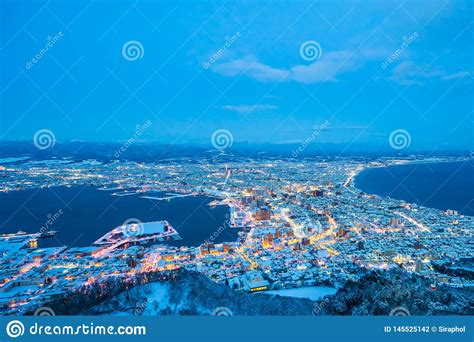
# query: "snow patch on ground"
(312, 292)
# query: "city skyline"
(308, 229)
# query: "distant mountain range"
(147, 152)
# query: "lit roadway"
(413, 221)
(316, 238)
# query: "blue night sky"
(237, 66)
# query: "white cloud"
(252, 67)
(408, 73)
(326, 69)
(246, 109)
(456, 75)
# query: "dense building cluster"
(302, 223)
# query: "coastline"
(269, 257)
(48, 200)
(355, 182)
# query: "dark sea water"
(89, 213)
(435, 185)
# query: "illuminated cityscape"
(301, 223)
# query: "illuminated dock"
(168, 197)
(140, 232)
